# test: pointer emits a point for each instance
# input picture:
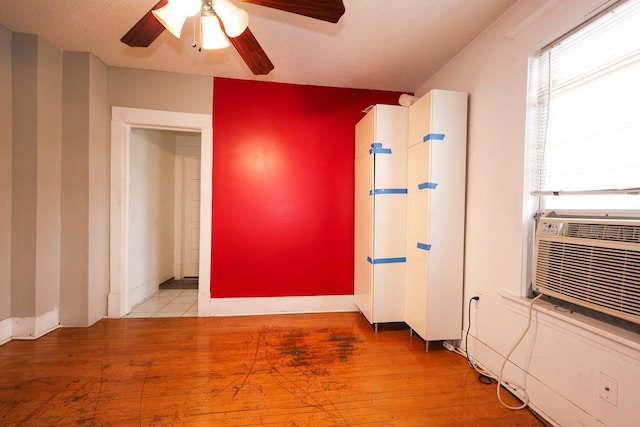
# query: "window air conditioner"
(594, 263)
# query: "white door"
(191, 217)
(363, 211)
(417, 234)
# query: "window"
(587, 118)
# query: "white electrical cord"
(525, 396)
(485, 373)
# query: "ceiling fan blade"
(146, 30)
(252, 53)
(325, 10)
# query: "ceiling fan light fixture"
(235, 19)
(171, 18)
(187, 7)
(212, 35)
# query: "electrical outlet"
(609, 389)
(477, 302)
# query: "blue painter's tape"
(386, 260)
(380, 151)
(424, 246)
(376, 148)
(433, 137)
(427, 185)
(387, 191)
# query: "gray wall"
(99, 128)
(54, 175)
(5, 172)
(85, 187)
(24, 155)
(36, 126)
(75, 189)
(157, 90)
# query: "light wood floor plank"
(284, 370)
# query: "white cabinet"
(436, 171)
(380, 213)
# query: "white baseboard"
(5, 330)
(46, 323)
(29, 328)
(281, 305)
(115, 309)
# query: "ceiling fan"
(221, 20)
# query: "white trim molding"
(6, 328)
(122, 121)
(28, 328)
(281, 305)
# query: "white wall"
(563, 356)
(151, 211)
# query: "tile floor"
(168, 303)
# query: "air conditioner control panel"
(549, 228)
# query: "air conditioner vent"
(592, 263)
(613, 232)
(607, 277)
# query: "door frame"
(122, 121)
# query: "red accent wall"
(283, 180)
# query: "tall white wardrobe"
(412, 196)
(436, 182)
(380, 213)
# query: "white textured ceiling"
(377, 44)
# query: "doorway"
(124, 120)
(163, 218)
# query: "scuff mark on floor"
(237, 388)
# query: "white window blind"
(587, 151)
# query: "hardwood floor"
(282, 370)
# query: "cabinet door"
(380, 213)
(447, 215)
(363, 214)
(418, 197)
(389, 251)
(419, 120)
